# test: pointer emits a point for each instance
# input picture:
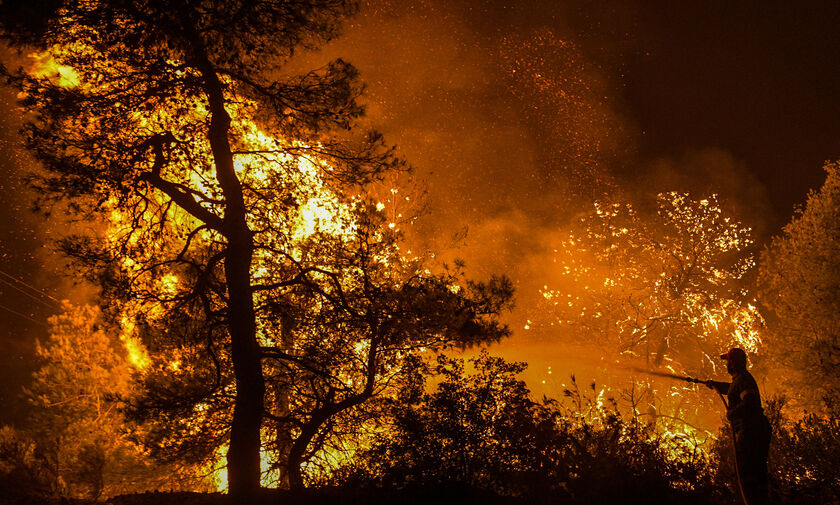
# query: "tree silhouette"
(479, 428)
(332, 339)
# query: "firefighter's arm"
(749, 400)
(720, 387)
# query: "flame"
(44, 65)
(219, 472)
(138, 356)
(311, 210)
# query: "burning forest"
(408, 252)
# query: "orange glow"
(655, 292)
(311, 211)
(43, 65)
(617, 279)
(138, 356)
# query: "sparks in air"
(641, 287)
(662, 289)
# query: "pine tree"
(230, 199)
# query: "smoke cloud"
(514, 129)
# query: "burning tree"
(657, 288)
(76, 421)
(236, 241)
(333, 334)
(667, 289)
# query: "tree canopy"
(800, 277)
(666, 288)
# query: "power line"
(23, 315)
(33, 288)
(30, 295)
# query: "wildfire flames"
(312, 210)
(663, 289)
(661, 292)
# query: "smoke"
(708, 171)
(33, 276)
(507, 125)
(514, 128)
(22, 239)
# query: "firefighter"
(749, 425)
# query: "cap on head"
(737, 356)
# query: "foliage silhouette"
(482, 431)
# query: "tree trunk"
(321, 415)
(298, 448)
(243, 456)
(283, 434)
(310, 429)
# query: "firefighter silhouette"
(750, 428)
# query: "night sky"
(518, 115)
(758, 79)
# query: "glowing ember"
(664, 289)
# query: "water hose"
(735, 453)
(693, 380)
